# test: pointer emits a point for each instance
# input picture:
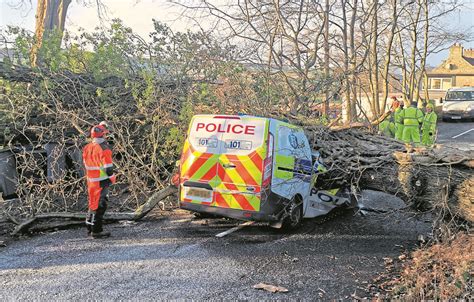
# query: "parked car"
(458, 104)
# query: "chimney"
(456, 51)
(468, 53)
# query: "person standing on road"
(412, 117)
(428, 128)
(97, 158)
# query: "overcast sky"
(138, 14)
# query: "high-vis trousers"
(426, 138)
(411, 134)
(398, 131)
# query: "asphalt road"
(174, 256)
(456, 134)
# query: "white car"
(458, 104)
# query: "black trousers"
(94, 219)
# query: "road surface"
(178, 257)
(456, 134)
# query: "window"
(439, 83)
(446, 84)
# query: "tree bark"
(139, 213)
(50, 16)
(347, 84)
(326, 58)
(388, 52)
(353, 65)
(374, 61)
(414, 50)
(439, 178)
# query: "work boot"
(100, 235)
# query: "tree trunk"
(424, 55)
(347, 90)
(440, 178)
(139, 213)
(50, 16)
(353, 65)
(388, 52)
(374, 61)
(414, 50)
(326, 58)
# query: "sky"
(138, 15)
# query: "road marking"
(229, 231)
(463, 133)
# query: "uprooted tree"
(148, 92)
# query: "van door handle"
(229, 166)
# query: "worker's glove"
(113, 179)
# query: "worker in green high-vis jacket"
(428, 128)
(397, 119)
(412, 117)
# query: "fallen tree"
(440, 178)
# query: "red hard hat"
(98, 131)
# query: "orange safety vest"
(97, 160)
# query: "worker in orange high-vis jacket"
(97, 158)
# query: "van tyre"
(199, 215)
(294, 215)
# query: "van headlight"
(444, 109)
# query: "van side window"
(286, 139)
(292, 141)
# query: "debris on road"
(402, 257)
(240, 226)
(127, 223)
(270, 288)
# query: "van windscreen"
(236, 136)
(460, 96)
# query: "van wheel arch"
(293, 220)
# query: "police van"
(253, 168)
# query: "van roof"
(467, 88)
(229, 116)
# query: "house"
(456, 71)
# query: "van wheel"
(295, 215)
(199, 215)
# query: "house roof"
(459, 62)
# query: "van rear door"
(200, 160)
(222, 161)
(241, 163)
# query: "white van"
(252, 168)
(458, 104)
